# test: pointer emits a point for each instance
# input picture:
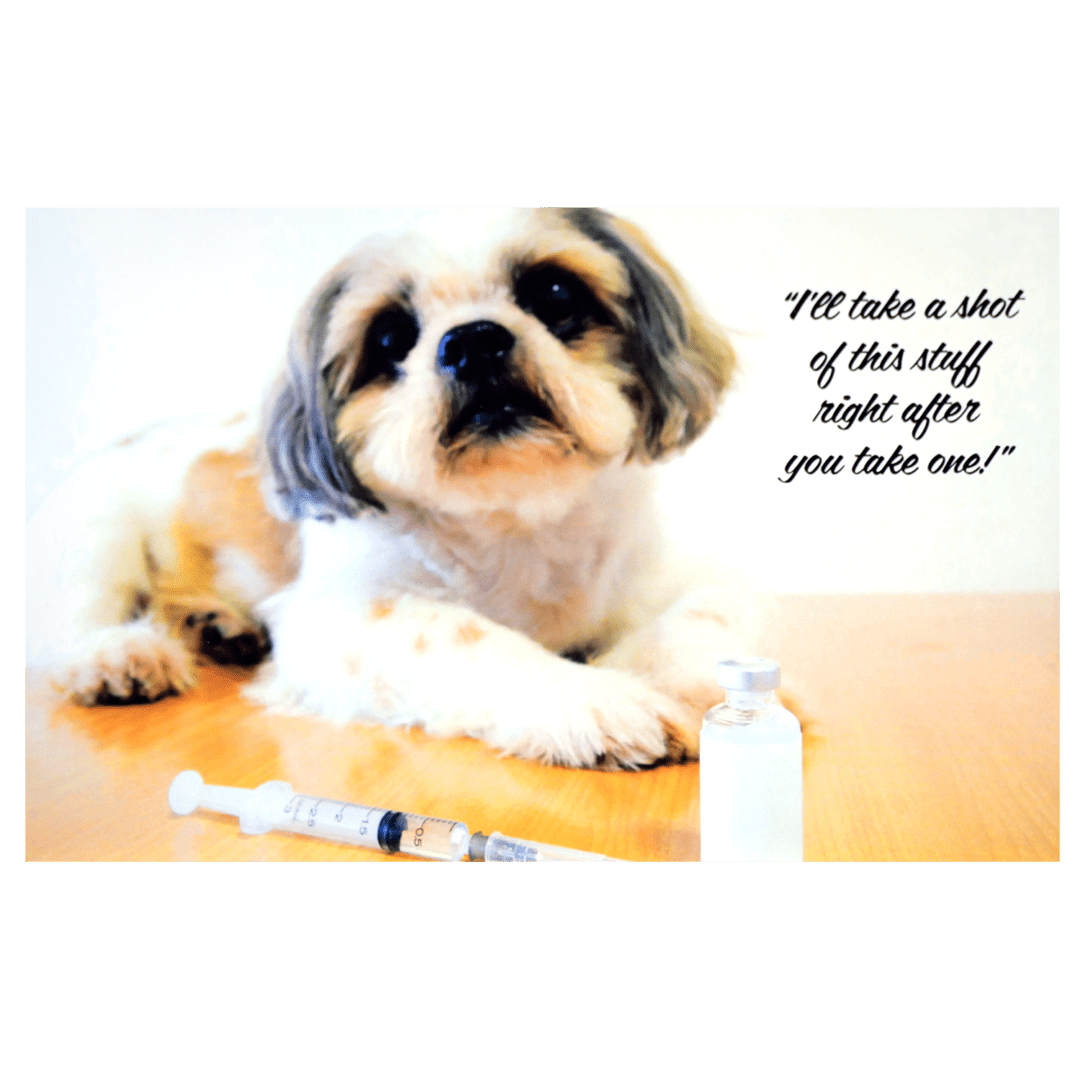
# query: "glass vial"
(751, 770)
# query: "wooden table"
(931, 733)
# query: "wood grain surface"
(930, 733)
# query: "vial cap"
(754, 673)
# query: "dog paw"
(227, 638)
(132, 664)
(607, 720)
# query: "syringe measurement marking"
(296, 804)
(362, 828)
(418, 832)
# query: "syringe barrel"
(499, 848)
(372, 827)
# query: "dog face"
(486, 363)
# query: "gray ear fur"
(683, 361)
(310, 475)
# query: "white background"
(141, 314)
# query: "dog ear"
(309, 475)
(684, 362)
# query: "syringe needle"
(499, 848)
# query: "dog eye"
(561, 301)
(390, 338)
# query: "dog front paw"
(602, 719)
(226, 638)
(644, 726)
(133, 664)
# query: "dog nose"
(475, 351)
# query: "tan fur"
(220, 507)
(357, 415)
(382, 609)
(558, 243)
(708, 616)
(468, 634)
(486, 466)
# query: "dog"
(442, 515)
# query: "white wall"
(137, 315)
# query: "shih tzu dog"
(443, 516)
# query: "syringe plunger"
(274, 806)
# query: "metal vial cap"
(756, 673)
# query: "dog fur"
(443, 515)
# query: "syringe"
(273, 805)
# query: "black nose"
(476, 351)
